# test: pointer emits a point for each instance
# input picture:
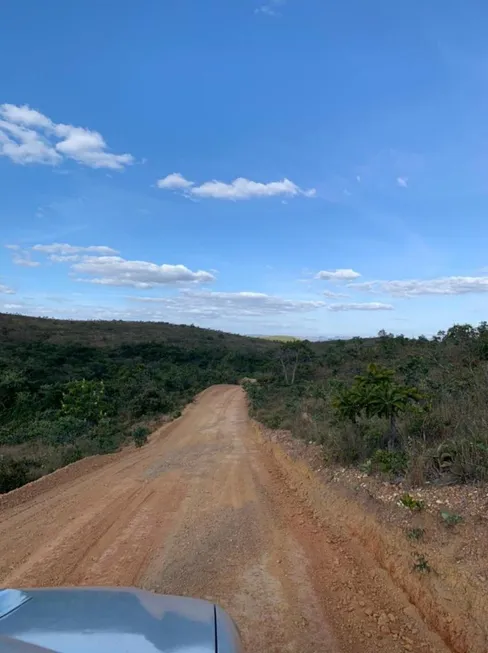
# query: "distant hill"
(281, 338)
(21, 328)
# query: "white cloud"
(174, 181)
(65, 250)
(13, 307)
(239, 189)
(117, 271)
(207, 304)
(402, 181)
(366, 306)
(28, 136)
(101, 265)
(337, 275)
(24, 115)
(88, 147)
(5, 290)
(331, 293)
(23, 145)
(416, 287)
(242, 189)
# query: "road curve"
(202, 511)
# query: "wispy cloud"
(64, 249)
(5, 290)
(211, 304)
(387, 167)
(358, 306)
(417, 287)
(270, 8)
(28, 136)
(22, 256)
(332, 294)
(239, 189)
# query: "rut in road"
(202, 510)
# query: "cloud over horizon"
(358, 306)
(418, 287)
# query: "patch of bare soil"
(212, 508)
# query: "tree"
(460, 334)
(389, 400)
(377, 394)
(290, 354)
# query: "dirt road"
(203, 510)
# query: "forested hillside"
(410, 408)
(72, 389)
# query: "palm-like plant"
(377, 394)
(349, 403)
(388, 400)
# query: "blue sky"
(259, 166)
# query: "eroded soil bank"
(442, 569)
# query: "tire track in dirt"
(204, 510)
(74, 543)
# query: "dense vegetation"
(412, 408)
(72, 389)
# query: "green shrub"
(106, 435)
(71, 454)
(450, 518)
(465, 458)
(366, 467)
(421, 564)
(389, 462)
(415, 533)
(140, 435)
(345, 445)
(350, 443)
(56, 428)
(15, 473)
(408, 501)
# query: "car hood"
(99, 620)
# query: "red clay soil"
(206, 509)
